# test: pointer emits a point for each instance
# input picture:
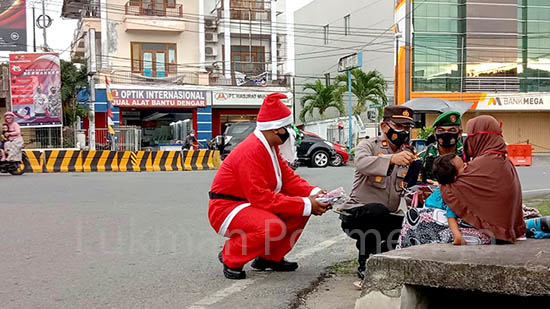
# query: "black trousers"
(374, 228)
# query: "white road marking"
(243, 284)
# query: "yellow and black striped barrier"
(200, 159)
(35, 160)
(54, 161)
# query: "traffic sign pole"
(349, 63)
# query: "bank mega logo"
(515, 101)
(221, 96)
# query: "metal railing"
(136, 8)
(124, 139)
(182, 78)
(217, 78)
(42, 138)
(491, 84)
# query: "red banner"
(158, 98)
(35, 83)
(13, 25)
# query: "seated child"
(3, 139)
(446, 168)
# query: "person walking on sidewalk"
(257, 201)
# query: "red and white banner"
(35, 83)
(158, 98)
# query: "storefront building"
(494, 55)
(233, 104)
(165, 114)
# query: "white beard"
(288, 149)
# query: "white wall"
(375, 15)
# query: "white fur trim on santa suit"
(274, 124)
(229, 218)
(315, 191)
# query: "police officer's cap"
(399, 114)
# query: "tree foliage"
(369, 87)
(72, 80)
(322, 98)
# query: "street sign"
(375, 105)
(350, 62)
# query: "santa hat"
(273, 114)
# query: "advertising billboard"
(13, 25)
(35, 83)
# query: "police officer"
(447, 134)
(371, 217)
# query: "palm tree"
(323, 98)
(367, 87)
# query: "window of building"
(327, 79)
(325, 31)
(151, 7)
(248, 10)
(248, 59)
(154, 59)
(347, 24)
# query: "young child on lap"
(446, 168)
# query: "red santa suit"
(263, 206)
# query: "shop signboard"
(35, 83)
(13, 25)
(158, 98)
(514, 102)
(243, 98)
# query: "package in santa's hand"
(334, 197)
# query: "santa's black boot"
(232, 273)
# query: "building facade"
(326, 30)
(205, 64)
(493, 53)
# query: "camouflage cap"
(447, 119)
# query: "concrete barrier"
(54, 161)
(437, 275)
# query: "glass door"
(148, 63)
(160, 64)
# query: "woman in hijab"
(15, 141)
(486, 196)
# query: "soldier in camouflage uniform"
(447, 135)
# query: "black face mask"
(447, 139)
(398, 138)
(283, 136)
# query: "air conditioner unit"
(211, 51)
(210, 23)
(211, 37)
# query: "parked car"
(315, 151)
(342, 155)
(236, 133)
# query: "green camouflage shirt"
(428, 156)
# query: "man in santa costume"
(257, 201)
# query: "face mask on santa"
(287, 149)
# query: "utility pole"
(92, 68)
(33, 29)
(44, 23)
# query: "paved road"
(122, 240)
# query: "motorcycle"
(15, 168)
(12, 167)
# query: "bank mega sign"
(514, 102)
(243, 98)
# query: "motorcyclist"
(14, 144)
